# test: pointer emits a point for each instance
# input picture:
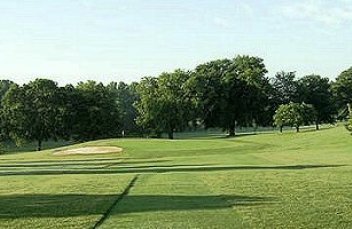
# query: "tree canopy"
(31, 112)
(96, 113)
(315, 90)
(343, 89)
(164, 105)
(126, 97)
(224, 93)
(294, 115)
(285, 87)
(231, 92)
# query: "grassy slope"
(267, 180)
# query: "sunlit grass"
(266, 180)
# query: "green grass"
(10, 147)
(256, 181)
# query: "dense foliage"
(224, 93)
(40, 110)
(343, 90)
(231, 92)
(164, 105)
(31, 112)
(294, 115)
(315, 90)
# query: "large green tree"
(231, 92)
(343, 90)
(32, 112)
(126, 96)
(164, 105)
(94, 111)
(285, 88)
(294, 115)
(4, 87)
(71, 110)
(315, 90)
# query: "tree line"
(224, 93)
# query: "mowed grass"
(268, 180)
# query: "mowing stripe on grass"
(120, 197)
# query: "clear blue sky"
(113, 40)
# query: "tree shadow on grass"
(162, 169)
(78, 160)
(148, 203)
(11, 148)
(45, 205)
(57, 159)
(308, 130)
(68, 163)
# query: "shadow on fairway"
(102, 163)
(58, 160)
(162, 169)
(19, 206)
(131, 160)
(146, 203)
(11, 148)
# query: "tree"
(285, 88)
(343, 90)
(231, 92)
(315, 90)
(206, 86)
(308, 113)
(31, 112)
(70, 109)
(294, 115)
(12, 112)
(4, 87)
(126, 96)
(95, 112)
(164, 105)
(257, 88)
(348, 125)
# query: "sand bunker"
(89, 150)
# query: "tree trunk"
(39, 145)
(232, 131)
(171, 134)
(281, 129)
(297, 129)
(349, 109)
(317, 125)
(158, 134)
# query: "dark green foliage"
(348, 124)
(94, 112)
(4, 87)
(224, 93)
(32, 112)
(285, 88)
(231, 92)
(70, 103)
(164, 105)
(315, 90)
(343, 90)
(41, 110)
(126, 97)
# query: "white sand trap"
(89, 150)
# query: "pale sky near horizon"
(123, 40)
